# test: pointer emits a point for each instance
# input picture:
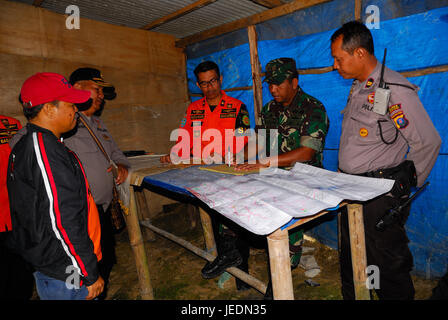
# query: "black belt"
(380, 173)
(404, 175)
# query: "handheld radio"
(382, 93)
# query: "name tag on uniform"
(228, 110)
(228, 115)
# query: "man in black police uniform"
(376, 144)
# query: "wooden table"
(278, 249)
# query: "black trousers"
(231, 229)
(388, 250)
(107, 244)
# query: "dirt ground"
(175, 271)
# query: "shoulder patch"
(400, 120)
(246, 120)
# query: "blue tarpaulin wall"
(413, 41)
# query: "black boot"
(228, 256)
(244, 249)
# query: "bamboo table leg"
(143, 212)
(207, 227)
(192, 212)
(137, 244)
(358, 250)
(278, 246)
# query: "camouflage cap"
(278, 70)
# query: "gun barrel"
(411, 198)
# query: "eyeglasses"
(204, 84)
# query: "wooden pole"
(256, 72)
(193, 212)
(280, 265)
(209, 237)
(358, 250)
(252, 281)
(138, 248)
(143, 212)
(358, 8)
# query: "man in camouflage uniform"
(302, 125)
(301, 119)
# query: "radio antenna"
(382, 84)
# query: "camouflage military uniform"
(304, 123)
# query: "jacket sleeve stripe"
(54, 212)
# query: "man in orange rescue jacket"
(214, 128)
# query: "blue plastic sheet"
(413, 42)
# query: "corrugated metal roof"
(215, 14)
(139, 13)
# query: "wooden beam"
(268, 3)
(358, 7)
(207, 228)
(424, 72)
(38, 3)
(256, 73)
(252, 20)
(280, 265)
(406, 74)
(138, 248)
(358, 250)
(250, 280)
(179, 13)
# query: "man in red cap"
(55, 223)
(97, 168)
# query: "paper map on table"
(262, 203)
(224, 168)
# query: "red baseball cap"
(45, 87)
